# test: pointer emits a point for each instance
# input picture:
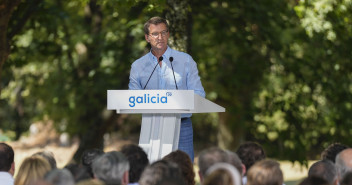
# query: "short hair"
(250, 152)
(222, 174)
(110, 167)
(235, 161)
(6, 157)
(32, 169)
(138, 160)
(49, 156)
(79, 172)
(265, 172)
(210, 156)
(324, 169)
(314, 181)
(183, 160)
(332, 150)
(88, 157)
(155, 21)
(60, 177)
(160, 170)
(343, 162)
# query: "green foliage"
(281, 69)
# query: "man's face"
(158, 37)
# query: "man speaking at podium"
(164, 68)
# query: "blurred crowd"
(249, 165)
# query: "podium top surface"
(159, 101)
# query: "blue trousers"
(186, 137)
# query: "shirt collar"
(166, 55)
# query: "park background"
(281, 68)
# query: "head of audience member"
(347, 179)
(324, 169)
(332, 150)
(111, 168)
(314, 181)
(249, 153)
(265, 172)
(236, 162)
(79, 172)
(7, 155)
(343, 162)
(88, 157)
(49, 156)
(162, 172)
(32, 169)
(138, 160)
(183, 160)
(209, 157)
(59, 177)
(222, 174)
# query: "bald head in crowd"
(208, 157)
(343, 162)
(324, 169)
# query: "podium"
(161, 115)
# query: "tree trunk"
(6, 9)
(180, 20)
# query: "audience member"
(347, 179)
(326, 170)
(162, 172)
(59, 177)
(79, 172)
(314, 181)
(343, 162)
(222, 174)
(182, 159)
(32, 169)
(111, 168)
(265, 172)
(88, 157)
(209, 157)
(7, 164)
(235, 161)
(332, 150)
(49, 156)
(138, 160)
(249, 153)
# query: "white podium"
(161, 115)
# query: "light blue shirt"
(185, 69)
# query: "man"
(162, 172)
(138, 160)
(165, 68)
(343, 162)
(332, 150)
(324, 169)
(209, 157)
(249, 152)
(111, 168)
(265, 172)
(7, 164)
(88, 157)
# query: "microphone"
(173, 72)
(160, 59)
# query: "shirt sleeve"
(134, 83)
(193, 79)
